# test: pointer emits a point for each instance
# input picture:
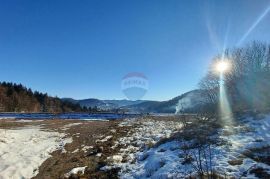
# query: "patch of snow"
(105, 139)
(75, 171)
(23, 150)
(99, 154)
(113, 131)
(116, 158)
(23, 120)
(68, 126)
(3, 118)
(85, 148)
(28, 120)
(75, 151)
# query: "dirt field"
(86, 149)
(91, 145)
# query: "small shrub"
(260, 172)
(236, 162)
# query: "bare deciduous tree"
(247, 82)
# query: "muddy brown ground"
(87, 133)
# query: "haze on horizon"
(82, 49)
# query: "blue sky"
(82, 49)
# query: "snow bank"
(140, 158)
(23, 150)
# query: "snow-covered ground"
(144, 134)
(23, 150)
(253, 134)
(139, 157)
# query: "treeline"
(247, 82)
(18, 98)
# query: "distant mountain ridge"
(187, 102)
(17, 98)
(103, 104)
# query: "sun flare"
(222, 66)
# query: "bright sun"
(222, 66)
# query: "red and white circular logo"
(134, 85)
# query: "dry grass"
(261, 154)
(236, 162)
(260, 173)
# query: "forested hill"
(18, 98)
